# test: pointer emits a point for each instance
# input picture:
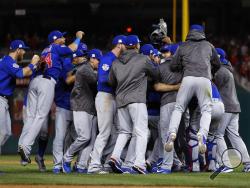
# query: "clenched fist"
(79, 34)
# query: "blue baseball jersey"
(53, 56)
(153, 98)
(215, 92)
(63, 90)
(153, 103)
(9, 71)
(103, 72)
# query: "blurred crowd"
(238, 53)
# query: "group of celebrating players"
(135, 109)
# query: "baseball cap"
(165, 48)
(78, 53)
(173, 48)
(197, 27)
(119, 39)
(55, 35)
(83, 47)
(15, 44)
(156, 52)
(146, 49)
(221, 53)
(95, 53)
(132, 40)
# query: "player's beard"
(20, 57)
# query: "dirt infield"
(84, 186)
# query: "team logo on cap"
(20, 46)
(92, 55)
(54, 37)
(105, 67)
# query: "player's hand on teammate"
(166, 40)
(79, 34)
(35, 59)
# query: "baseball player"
(229, 124)
(105, 104)
(84, 113)
(129, 75)
(153, 108)
(195, 115)
(64, 116)
(41, 89)
(9, 71)
(197, 58)
(168, 85)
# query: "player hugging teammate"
(135, 109)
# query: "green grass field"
(14, 173)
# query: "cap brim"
(64, 33)
(25, 48)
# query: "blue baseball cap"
(83, 48)
(55, 35)
(221, 53)
(156, 52)
(78, 53)
(165, 48)
(95, 53)
(146, 49)
(170, 48)
(173, 48)
(15, 44)
(119, 39)
(196, 27)
(132, 40)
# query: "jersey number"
(47, 59)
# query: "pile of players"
(133, 110)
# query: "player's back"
(130, 70)
(196, 55)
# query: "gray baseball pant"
(230, 124)
(193, 86)
(83, 158)
(165, 115)
(43, 132)
(64, 119)
(133, 118)
(5, 122)
(40, 98)
(109, 148)
(84, 122)
(153, 123)
(157, 152)
(69, 137)
(106, 109)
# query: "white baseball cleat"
(169, 145)
(202, 143)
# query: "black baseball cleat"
(40, 162)
(115, 165)
(139, 170)
(23, 156)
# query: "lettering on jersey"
(15, 65)
(105, 67)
